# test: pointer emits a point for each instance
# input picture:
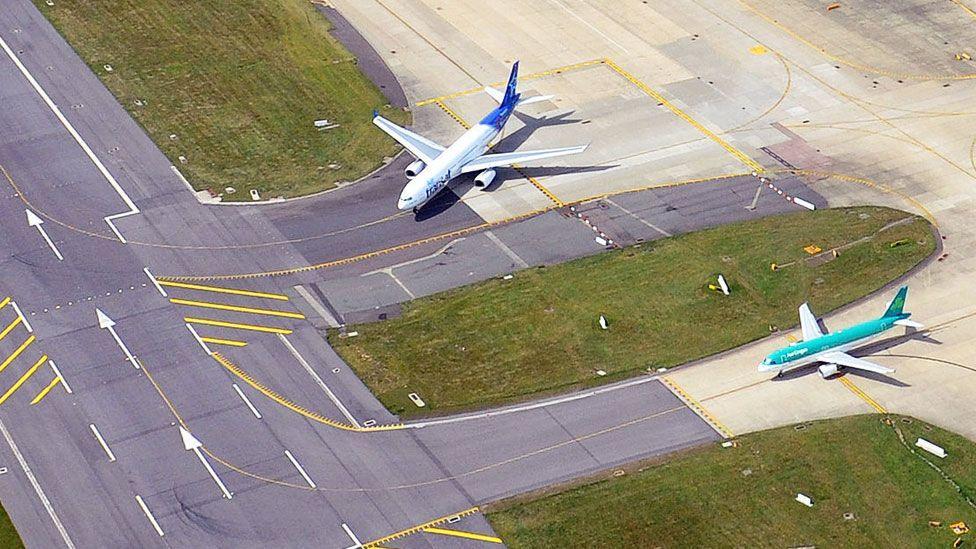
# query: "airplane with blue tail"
(830, 349)
(435, 166)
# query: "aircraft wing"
(844, 359)
(421, 147)
(496, 160)
(808, 323)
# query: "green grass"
(239, 84)
(504, 340)
(704, 499)
(9, 538)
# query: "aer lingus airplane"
(436, 166)
(829, 349)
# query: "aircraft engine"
(827, 370)
(414, 168)
(484, 178)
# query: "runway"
(325, 463)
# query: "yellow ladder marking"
(251, 327)
(461, 534)
(864, 396)
(697, 407)
(13, 356)
(10, 327)
(4, 303)
(235, 308)
(23, 378)
(46, 390)
(219, 341)
(234, 369)
(219, 290)
(419, 528)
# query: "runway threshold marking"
(30, 371)
(741, 156)
(164, 281)
(697, 407)
(298, 409)
(418, 528)
(462, 534)
(862, 395)
(40, 396)
(237, 325)
(221, 341)
(535, 182)
(235, 308)
(17, 352)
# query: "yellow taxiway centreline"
(13, 356)
(13, 324)
(239, 326)
(30, 371)
(863, 396)
(46, 390)
(235, 308)
(219, 289)
(220, 341)
(462, 534)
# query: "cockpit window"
(767, 361)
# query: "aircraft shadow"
(441, 202)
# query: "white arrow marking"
(106, 323)
(34, 221)
(192, 444)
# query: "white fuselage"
(436, 175)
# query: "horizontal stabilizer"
(909, 324)
(496, 160)
(536, 99)
(844, 359)
(495, 94)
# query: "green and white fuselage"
(830, 349)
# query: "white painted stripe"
(318, 380)
(355, 540)
(154, 281)
(37, 487)
(319, 308)
(22, 317)
(590, 25)
(508, 251)
(202, 343)
(804, 203)
(300, 469)
(149, 515)
(241, 394)
(61, 377)
(639, 218)
(77, 137)
(98, 436)
(533, 406)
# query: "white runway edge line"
(64, 382)
(37, 487)
(298, 466)
(149, 515)
(81, 142)
(23, 318)
(155, 282)
(533, 406)
(247, 401)
(318, 380)
(98, 437)
(202, 343)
